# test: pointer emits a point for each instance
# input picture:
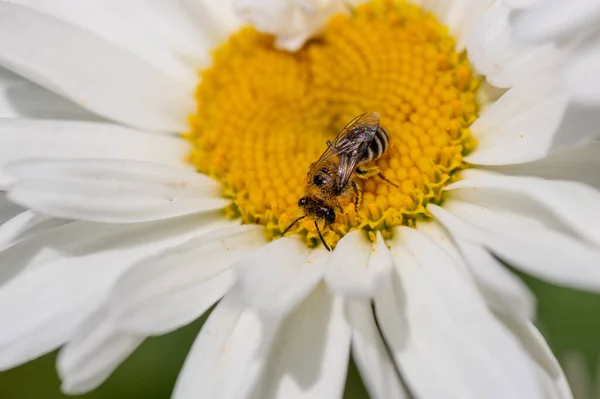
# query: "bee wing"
(345, 170)
(354, 137)
(351, 144)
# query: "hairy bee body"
(331, 180)
(377, 147)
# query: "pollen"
(265, 115)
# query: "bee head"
(317, 209)
(303, 202)
(328, 214)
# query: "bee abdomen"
(377, 147)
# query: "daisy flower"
(161, 194)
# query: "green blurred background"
(569, 320)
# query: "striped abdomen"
(377, 147)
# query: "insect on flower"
(331, 180)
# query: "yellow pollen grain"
(264, 116)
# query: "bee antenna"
(292, 225)
(321, 237)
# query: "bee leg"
(358, 196)
(385, 179)
(321, 237)
(292, 225)
(365, 173)
(339, 207)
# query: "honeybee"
(331, 180)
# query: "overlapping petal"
(521, 125)
(82, 260)
(496, 54)
(357, 267)
(291, 22)
(369, 352)
(229, 354)
(555, 19)
(452, 337)
(111, 191)
(277, 277)
(171, 289)
(570, 202)
(310, 354)
(28, 138)
(503, 291)
(24, 225)
(21, 98)
(525, 243)
(96, 349)
(93, 72)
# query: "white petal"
(217, 18)
(111, 191)
(440, 236)
(496, 54)
(20, 98)
(41, 307)
(503, 291)
(230, 352)
(576, 164)
(579, 127)
(83, 239)
(166, 26)
(126, 26)
(310, 355)
(369, 353)
(24, 225)
(524, 243)
(520, 4)
(555, 389)
(521, 125)
(8, 209)
(534, 342)
(96, 349)
(538, 349)
(453, 338)
(291, 22)
(556, 19)
(91, 71)
(21, 138)
(571, 202)
(581, 75)
(276, 277)
(390, 311)
(171, 289)
(40, 310)
(357, 266)
(48, 246)
(461, 17)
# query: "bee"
(331, 180)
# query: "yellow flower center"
(264, 116)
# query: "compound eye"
(329, 215)
(319, 180)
